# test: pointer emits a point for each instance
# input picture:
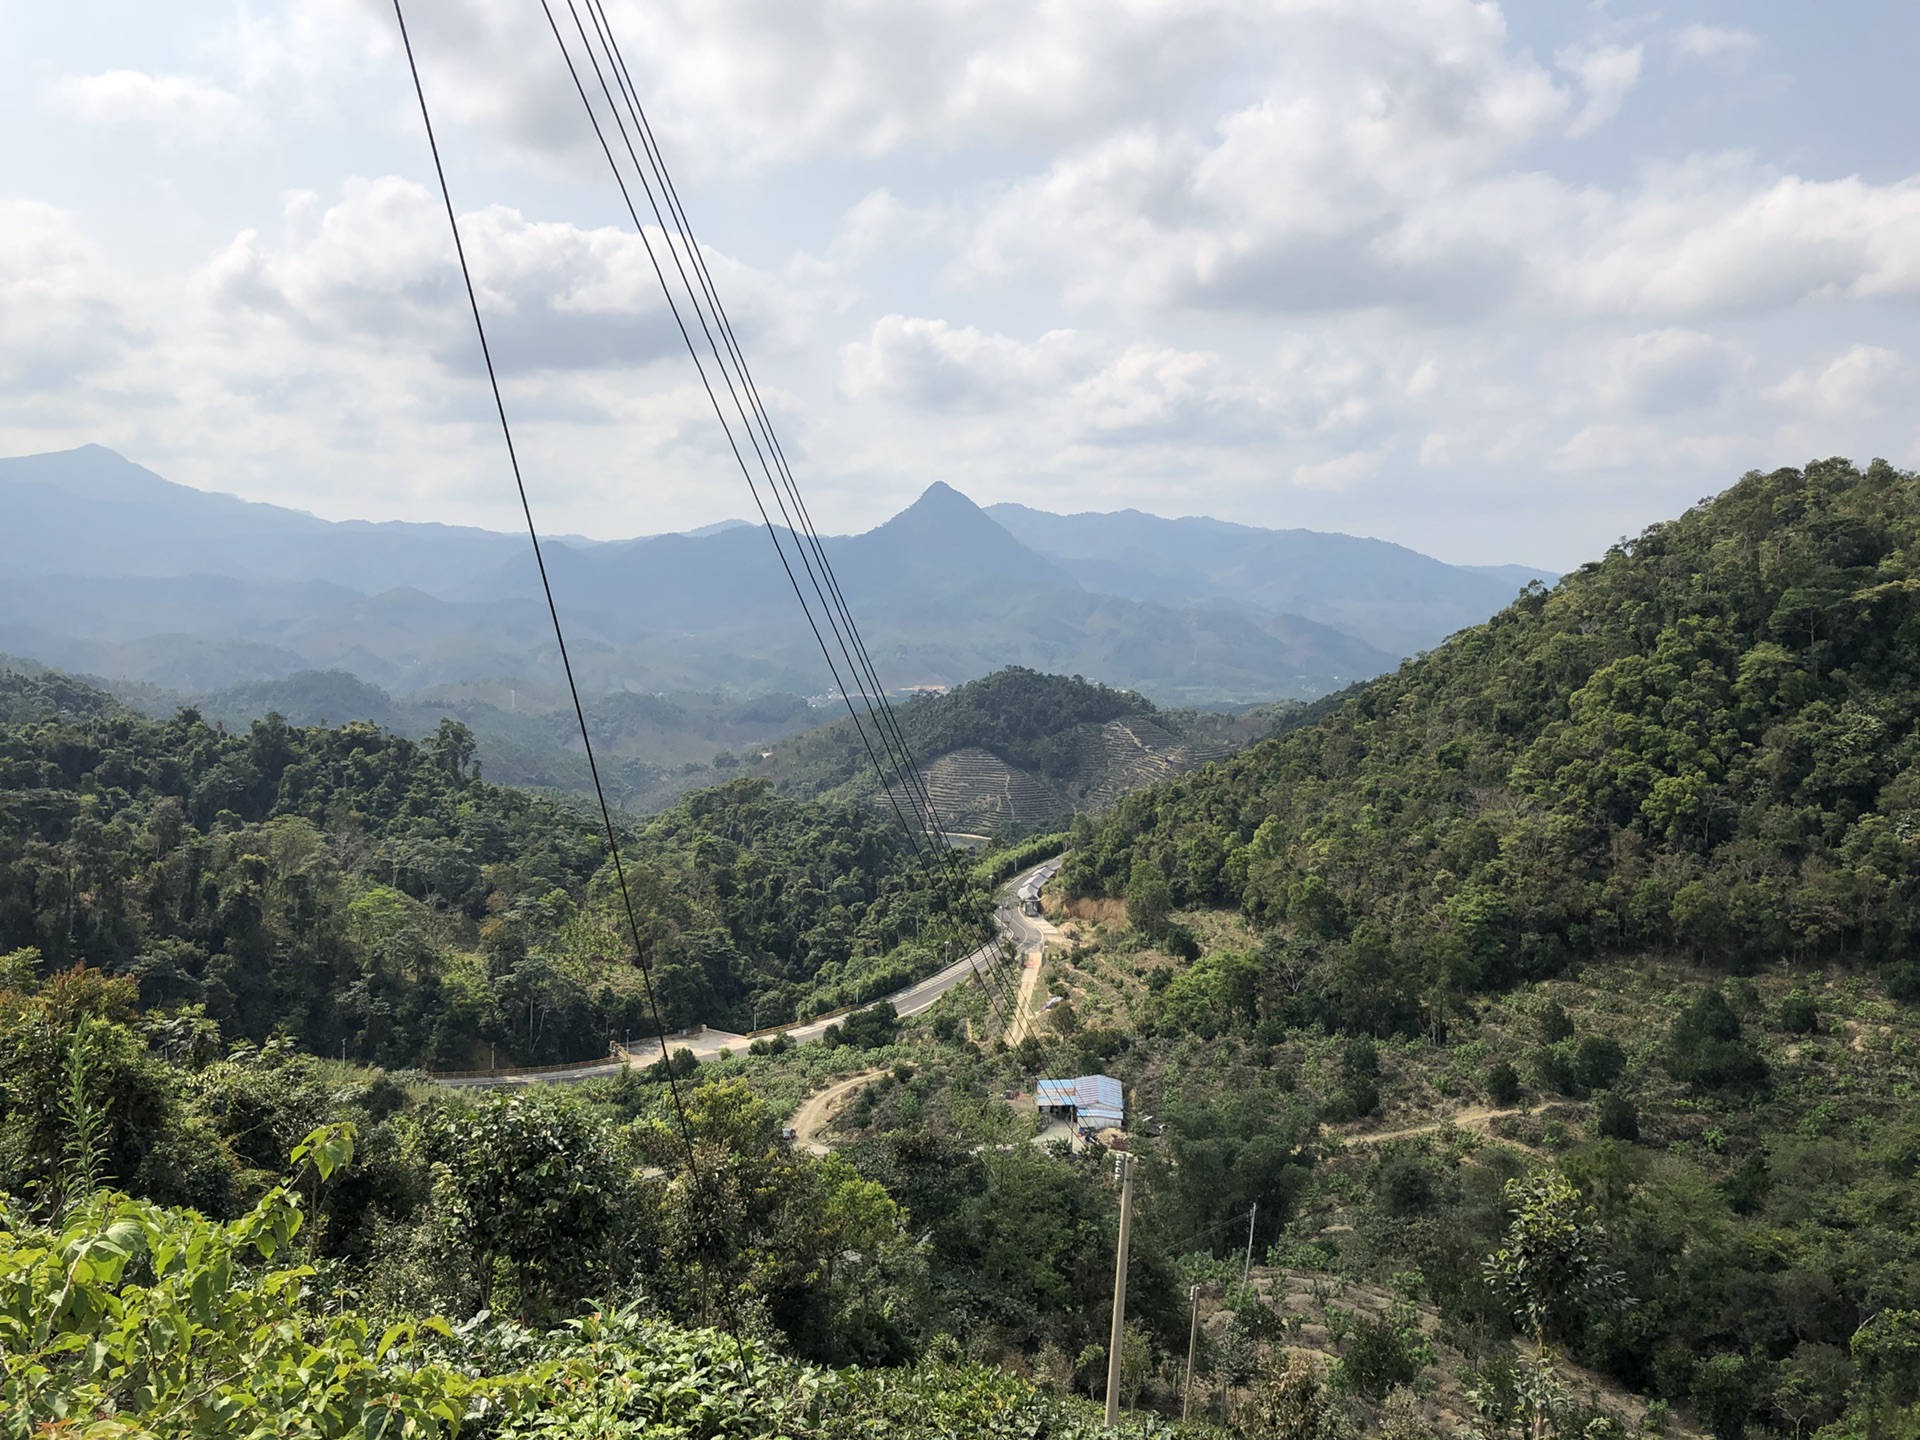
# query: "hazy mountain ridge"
(1393, 598)
(119, 572)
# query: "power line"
(729, 358)
(559, 633)
(700, 368)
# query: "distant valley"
(690, 645)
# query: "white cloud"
(759, 81)
(931, 365)
(1850, 386)
(1663, 372)
(1722, 235)
(1078, 389)
(378, 268)
(1313, 197)
(174, 107)
(63, 318)
(1607, 73)
(1714, 42)
(1340, 471)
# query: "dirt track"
(816, 1112)
(1477, 1118)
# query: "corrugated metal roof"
(1094, 1098)
(1037, 882)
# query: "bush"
(678, 1066)
(1362, 1098)
(1799, 1014)
(1149, 899)
(1746, 1188)
(1599, 1062)
(1725, 1392)
(1180, 941)
(1556, 1068)
(1553, 1023)
(1707, 1050)
(1405, 1183)
(1617, 1118)
(1359, 1059)
(1503, 1083)
(871, 1028)
(1383, 1353)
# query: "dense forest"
(1626, 879)
(375, 897)
(1702, 743)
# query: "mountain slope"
(1019, 751)
(92, 512)
(116, 571)
(1705, 741)
(356, 888)
(1394, 598)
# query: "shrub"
(1382, 1353)
(1799, 1014)
(1617, 1117)
(871, 1028)
(1706, 1048)
(1182, 942)
(1360, 1097)
(679, 1065)
(1746, 1188)
(1503, 1083)
(1553, 1024)
(1725, 1391)
(1599, 1062)
(1556, 1067)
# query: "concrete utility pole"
(1117, 1339)
(1193, 1335)
(1252, 1215)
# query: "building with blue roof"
(1087, 1102)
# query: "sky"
(1502, 283)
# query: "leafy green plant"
(1383, 1352)
(136, 1320)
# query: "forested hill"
(363, 892)
(1020, 750)
(1021, 716)
(1705, 740)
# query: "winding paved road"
(1024, 930)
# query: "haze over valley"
(690, 645)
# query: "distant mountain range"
(114, 570)
(690, 643)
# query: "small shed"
(1087, 1102)
(1029, 893)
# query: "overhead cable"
(708, 1196)
(601, 56)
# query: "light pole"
(1116, 1340)
(1193, 1336)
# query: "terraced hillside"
(1020, 751)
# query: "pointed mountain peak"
(942, 498)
